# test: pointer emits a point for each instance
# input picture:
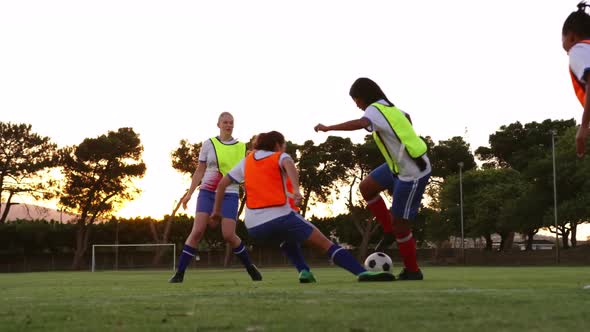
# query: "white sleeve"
(206, 146)
(237, 173)
(580, 60)
(283, 157)
(373, 115)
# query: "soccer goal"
(133, 256)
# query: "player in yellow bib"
(405, 173)
(217, 156)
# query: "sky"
(77, 69)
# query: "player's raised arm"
(344, 126)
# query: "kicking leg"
(380, 179)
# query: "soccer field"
(449, 299)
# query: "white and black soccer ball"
(378, 262)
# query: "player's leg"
(229, 211)
(278, 231)
(189, 251)
(381, 178)
(406, 202)
(293, 252)
(300, 229)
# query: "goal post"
(139, 245)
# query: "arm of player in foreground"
(345, 126)
(219, 193)
(289, 167)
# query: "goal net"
(148, 256)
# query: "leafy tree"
(98, 177)
(572, 188)
(488, 197)
(515, 145)
(25, 161)
(435, 229)
(321, 167)
(527, 148)
(444, 159)
(446, 156)
(186, 157)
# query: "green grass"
(450, 299)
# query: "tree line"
(507, 186)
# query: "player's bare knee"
(228, 236)
(197, 234)
(366, 191)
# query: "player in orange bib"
(269, 215)
(575, 37)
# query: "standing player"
(405, 172)
(270, 217)
(217, 156)
(575, 37)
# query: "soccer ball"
(378, 262)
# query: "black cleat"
(178, 277)
(385, 242)
(254, 273)
(407, 275)
(375, 276)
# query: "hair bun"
(582, 6)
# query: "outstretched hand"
(320, 127)
(215, 218)
(297, 198)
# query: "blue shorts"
(291, 228)
(407, 195)
(206, 200)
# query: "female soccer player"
(217, 156)
(575, 37)
(405, 172)
(270, 217)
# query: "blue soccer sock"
(188, 253)
(293, 252)
(345, 260)
(242, 254)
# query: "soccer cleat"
(178, 277)
(375, 276)
(254, 273)
(385, 242)
(407, 275)
(306, 277)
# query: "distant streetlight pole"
(461, 204)
(553, 133)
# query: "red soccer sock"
(381, 213)
(407, 249)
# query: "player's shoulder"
(580, 49)
(206, 143)
(371, 112)
(285, 155)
